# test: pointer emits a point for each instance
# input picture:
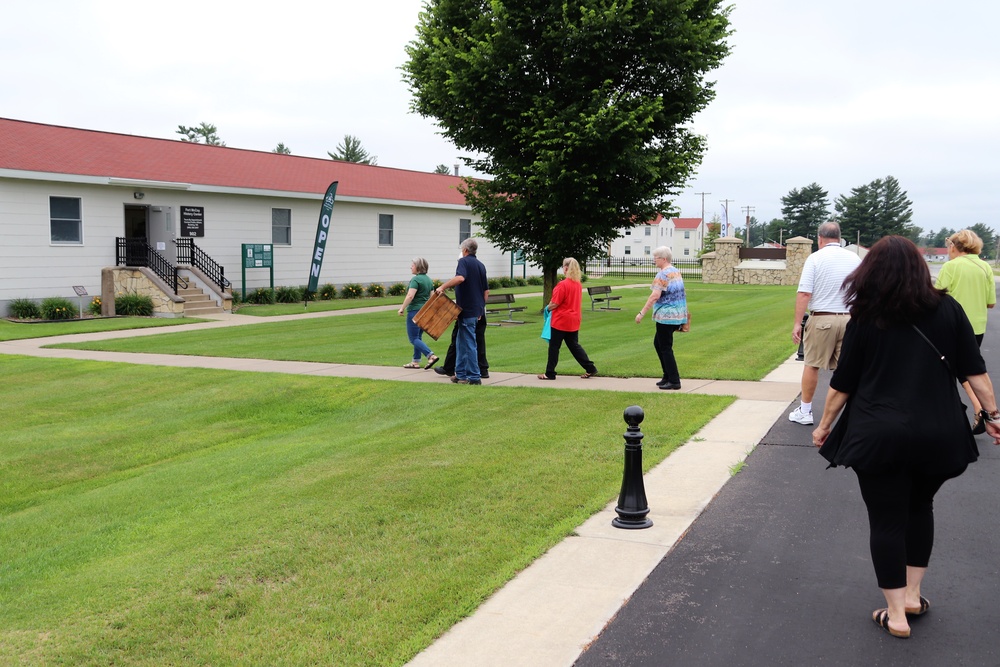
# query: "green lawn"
(738, 333)
(162, 516)
(18, 330)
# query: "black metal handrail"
(189, 253)
(136, 252)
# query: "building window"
(628, 250)
(384, 229)
(646, 251)
(649, 231)
(65, 220)
(687, 251)
(687, 234)
(628, 232)
(464, 229)
(281, 226)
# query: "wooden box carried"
(435, 315)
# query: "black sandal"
(881, 618)
(924, 607)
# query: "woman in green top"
(969, 280)
(416, 296)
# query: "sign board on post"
(257, 256)
(517, 259)
(192, 221)
(81, 292)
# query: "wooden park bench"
(602, 294)
(501, 303)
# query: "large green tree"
(804, 210)
(351, 150)
(578, 111)
(989, 240)
(880, 208)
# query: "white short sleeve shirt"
(823, 277)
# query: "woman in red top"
(566, 316)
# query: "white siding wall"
(31, 267)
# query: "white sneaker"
(800, 417)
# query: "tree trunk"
(551, 277)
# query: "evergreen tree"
(204, 133)
(805, 210)
(989, 240)
(580, 112)
(442, 169)
(351, 150)
(282, 149)
(880, 208)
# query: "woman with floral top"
(669, 305)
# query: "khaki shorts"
(824, 335)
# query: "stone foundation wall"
(116, 281)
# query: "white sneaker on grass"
(800, 417)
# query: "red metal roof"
(35, 147)
(686, 223)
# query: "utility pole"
(748, 210)
(703, 205)
(725, 207)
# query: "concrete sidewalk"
(553, 609)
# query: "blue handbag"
(547, 327)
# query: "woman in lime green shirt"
(969, 280)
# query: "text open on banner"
(322, 233)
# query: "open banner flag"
(322, 233)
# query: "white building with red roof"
(684, 236)
(67, 194)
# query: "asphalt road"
(776, 571)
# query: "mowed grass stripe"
(183, 516)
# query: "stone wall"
(723, 267)
(116, 281)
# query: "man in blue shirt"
(471, 291)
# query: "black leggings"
(901, 518)
(572, 339)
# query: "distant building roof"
(687, 223)
(52, 149)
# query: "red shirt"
(568, 294)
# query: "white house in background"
(67, 194)
(684, 236)
(935, 254)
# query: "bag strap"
(940, 356)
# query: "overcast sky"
(837, 92)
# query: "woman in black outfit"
(903, 429)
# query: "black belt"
(823, 313)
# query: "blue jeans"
(414, 333)
(466, 352)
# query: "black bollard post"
(632, 507)
(802, 339)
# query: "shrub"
(520, 282)
(261, 296)
(133, 305)
(493, 283)
(352, 291)
(306, 294)
(436, 283)
(328, 292)
(95, 306)
(506, 282)
(237, 296)
(58, 308)
(536, 280)
(24, 309)
(288, 294)
(376, 289)
(583, 277)
(396, 289)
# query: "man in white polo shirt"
(821, 290)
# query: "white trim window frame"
(281, 226)
(65, 220)
(464, 229)
(385, 230)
